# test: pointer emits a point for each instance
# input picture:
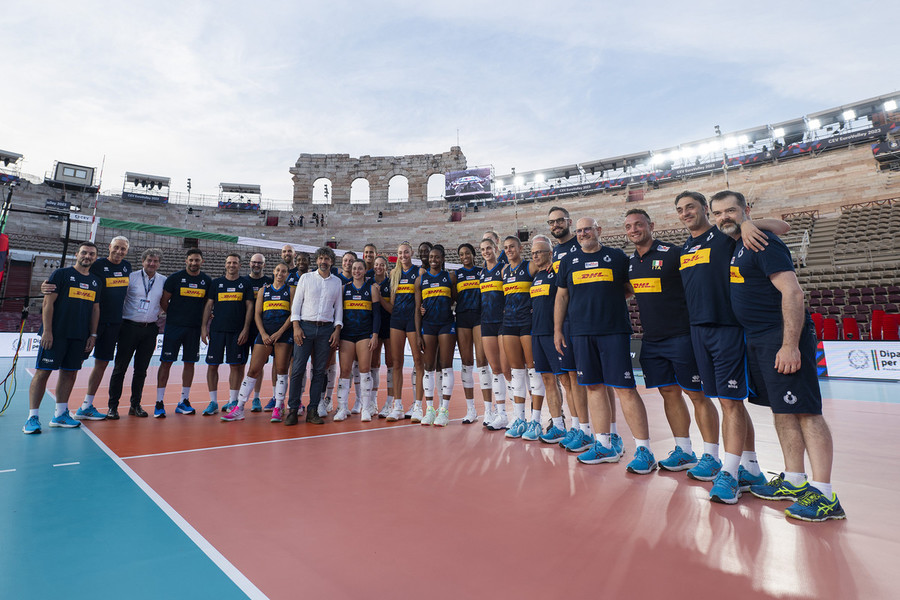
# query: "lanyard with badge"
(144, 303)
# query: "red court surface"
(355, 510)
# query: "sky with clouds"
(235, 91)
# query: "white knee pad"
(467, 373)
(485, 378)
(376, 377)
(355, 370)
(499, 386)
(518, 382)
(536, 383)
(281, 384)
(428, 384)
(447, 381)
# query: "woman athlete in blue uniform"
(403, 325)
(468, 330)
(491, 317)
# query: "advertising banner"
(31, 343)
(863, 360)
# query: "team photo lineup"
(723, 318)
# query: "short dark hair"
(694, 196)
(88, 245)
(372, 246)
(193, 251)
(466, 245)
(561, 209)
(639, 211)
(151, 252)
(325, 251)
(742, 202)
(429, 244)
(351, 253)
(234, 254)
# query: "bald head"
(257, 263)
(588, 233)
(287, 255)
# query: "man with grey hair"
(137, 337)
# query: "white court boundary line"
(230, 571)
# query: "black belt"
(138, 323)
(319, 323)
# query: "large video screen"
(468, 184)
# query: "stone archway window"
(436, 183)
(322, 191)
(398, 189)
(359, 191)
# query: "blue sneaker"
(32, 425)
(725, 489)
(598, 454)
(159, 411)
(554, 435)
(707, 469)
(643, 461)
(184, 408)
(678, 460)
(814, 506)
(90, 414)
(211, 408)
(616, 443)
(64, 420)
(227, 408)
(517, 429)
(746, 480)
(533, 431)
(256, 406)
(779, 489)
(270, 405)
(570, 435)
(581, 442)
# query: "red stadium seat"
(818, 320)
(877, 322)
(889, 328)
(830, 329)
(851, 328)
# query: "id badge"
(144, 305)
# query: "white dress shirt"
(142, 298)
(318, 299)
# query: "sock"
(233, 395)
(748, 461)
(535, 415)
(185, 393)
(642, 443)
(281, 383)
(711, 449)
(470, 403)
(586, 428)
(612, 429)
(488, 407)
(213, 396)
(559, 423)
(246, 387)
(730, 463)
(795, 479)
(685, 444)
(825, 488)
(34, 412)
(160, 394)
(605, 439)
(61, 407)
(575, 423)
(519, 411)
(88, 401)
(445, 404)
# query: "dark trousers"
(138, 341)
(315, 344)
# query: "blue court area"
(76, 525)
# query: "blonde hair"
(397, 271)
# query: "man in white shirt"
(137, 337)
(317, 316)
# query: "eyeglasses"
(533, 252)
(583, 230)
(559, 221)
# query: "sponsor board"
(31, 343)
(863, 360)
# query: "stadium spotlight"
(890, 105)
(849, 115)
(518, 180)
(743, 139)
(813, 124)
(778, 132)
(714, 146)
(730, 142)
(539, 178)
(499, 183)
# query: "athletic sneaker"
(616, 443)
(725, 489)
(580, 442)
(396, 413)
(598, 453)
(184, 407)
(430, 416)
(570, 434)
(270, 405)
(366, 415)
(256, 406)
(488, 417)
(342, 414)
(235, 414)
(159, 411)
(643, 461)
(64, 420)
(517, 429)
(554, 435)
(533, 431)
(32, 425)
(707, 469)
(323, 409)
(778, 488)
(227, 408)
(499, 422)
(814, 506)
(211, 408)
(90, 413)
(443, 418)
(471, 416)
(329, 404)
(276, 415)
(415, 413)
(746, 480)
(678, 460)
(388, 407)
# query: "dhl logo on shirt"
(80, 294)
(491, 286)
(699, 257)
(357, 305)
(276, 305)
(736, 276)
(406, 288)
(116, 282)
(192, 292)
(435, 292)
(556, 266)
(592, 276)
(468, 284)
(230, 296)
(647, 285)
(517, 287)
(540, 290)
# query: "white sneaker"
(488, 417)
(366, 415)
(415, 414)
(357, 407)
(388, 407)
(430, 416)
(408, 414)
(499, 422)
(471, 416)
(443, 418)
(329, 404)
(342, 414)
(396, 413)
(323, 409)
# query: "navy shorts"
(439, 329)
(670, 362)
(224, 347)
(177, 337)
(604, 360)
(66, 354)
(516, 330)
(468, 320)
(546, 358)
(568, 356)
(352, 337)
(407, 325)
(384, 334)
(797, 393)
(490, 329)
(107, 336)
(722, 360)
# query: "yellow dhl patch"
(116, 282)
(699, 257)
(406, 288)
(276, 305)
(736, 276)
(230, 296)
(80, 294)
(192, 292)
(491, 286)
(592, 276)
(519, 287)
(436, 292)
(540, 290)
(357, 305)
(468, 284)
(647, 285)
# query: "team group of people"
(723, 318)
